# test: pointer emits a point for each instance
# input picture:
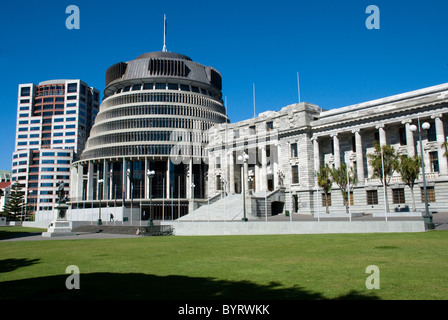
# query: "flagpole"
(254, 98)
(298, 85)
(164, 33)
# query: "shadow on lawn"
(8, 265)
(134, 286)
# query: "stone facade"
(287, 147)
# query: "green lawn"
(412, 266)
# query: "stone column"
(382, 134)
(264, 169)
(189, 181)
(359, 156)
(443, 166)
(80, 184)
(231, 172)
(146, 186)
(105, 181)
(274, 164)
(90, 185)
(128, 180)
(410, 144)
(316, 154)
(111, 188)
(337, 153)
(167, 180)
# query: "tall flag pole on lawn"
(164, 33)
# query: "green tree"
(409, 169)
(445, 146)
(390, 161)
(15, 204)
(339, 176)
(324, 182)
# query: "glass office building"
(54, 119)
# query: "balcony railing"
(430, 176)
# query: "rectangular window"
(432, 136)
(328, 200)
(72, 87)
(431, 193)
(433, 161)
(25, 91)
(47, 154)
(351, 199)
(402, 134)
(269, 125)
(398, 196)
(218, 162)
(294, 150)
(46, 184)
(295, 174)
(63, 154)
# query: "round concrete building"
(145, 156)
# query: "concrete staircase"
(225, 209)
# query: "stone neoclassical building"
(287, 147)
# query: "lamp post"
(150, 174)
(192, 192)
(427, 216)
(99, 197)
(244, 157)
(128, 182)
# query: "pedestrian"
(111, 217)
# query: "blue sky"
(340, 61)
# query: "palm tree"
(445, 145)
(339, 176)
(409, 170)
(324, 182)
(389, 161)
